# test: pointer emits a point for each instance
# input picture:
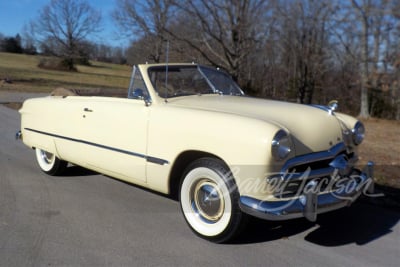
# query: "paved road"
(86, 219)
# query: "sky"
(14, 14)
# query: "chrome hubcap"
(207, 200)
(46, 156)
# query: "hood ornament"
(333, 105)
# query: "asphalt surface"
(87, 219)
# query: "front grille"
(318, 164)
(321, 164)
(299, 171)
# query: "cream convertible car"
(188, 130)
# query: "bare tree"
(28, 40)
(67, 22)
(393, 58)
(304, 44)
(145, 20)
(300, 50)
(363, 11)
(222, 31)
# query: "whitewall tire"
(209, 200)
(49, 163)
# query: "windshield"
(191, 80)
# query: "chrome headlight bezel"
(358, 133)
(281, 145)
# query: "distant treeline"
(87, 50)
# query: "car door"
(115, 132)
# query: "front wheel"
(209, 200)
(49, 163)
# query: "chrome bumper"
(308, 204)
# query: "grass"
(25, 76)
(382, 143)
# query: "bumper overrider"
(329, 182)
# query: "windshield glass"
(222, 83)
(191, 80)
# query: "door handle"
(87, 110)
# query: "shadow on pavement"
(77, 171)
(360, 224)
(257, 230)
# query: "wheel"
(49, 163)
(209, 200)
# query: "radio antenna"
(166, 73)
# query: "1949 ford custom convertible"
(189, 130)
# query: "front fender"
(243, 143)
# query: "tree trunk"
(364, 112)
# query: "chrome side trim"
(131, 153)
(156, 160)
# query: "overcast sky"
(14, 14)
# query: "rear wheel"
(209, 200)
(49, 163)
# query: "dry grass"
(13, 105)
(25, 76)
(382, 145)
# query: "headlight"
(280, 145)
(358, 133)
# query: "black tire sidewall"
(58, 165)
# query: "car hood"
(311, 129)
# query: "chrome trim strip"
(148, 158)
(324, 108)
(318, 156)
(156, 160)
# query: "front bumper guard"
(310, 203)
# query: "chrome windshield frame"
(212, 89)
(237, 87)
